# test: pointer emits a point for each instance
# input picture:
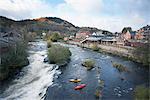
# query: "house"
(143, 33)
(107, 33)
(139, 35)
(43, 34)
(66, 38)
(146, 32)
(82, 35)
(97, 34)
(133, 34)
(109, 40)
(126, 34)
(116, 34)
(120, 42)
(90, 40)
(100, 39)
(71, 37)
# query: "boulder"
(46, 60)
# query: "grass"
(119, 67)
(58, 54)
(88, 63)
(141, 93)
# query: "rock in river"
(46, 59)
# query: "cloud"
(110, 15)
(112, 22)
(85, 6)
(21, 9)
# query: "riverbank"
(121, 51)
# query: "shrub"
(15, 58)
(141, 93)
(55, 37)
(98, 94)
(119, 67)
(58, 54)
(95, 47)
(88, 63)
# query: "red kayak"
(79, 87)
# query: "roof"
(99, 38)
(98, 34)
(92, 39)
(109, 39)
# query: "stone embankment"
(123, 51)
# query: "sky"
(110, 15)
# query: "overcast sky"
(110, 15)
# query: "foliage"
(98, 93)
(55, 37)
(88, 63)
(119, 67)
(95, 47)
(16, 55)
(58, 54)
(141, 93)
(125, 29)
(14, 59)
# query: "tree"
(55, 37)
(125, 29)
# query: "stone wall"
(123, 51)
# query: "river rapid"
(33, 80)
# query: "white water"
(36, 79)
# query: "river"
(46, 81)
(33, 80)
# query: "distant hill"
(39, 25)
